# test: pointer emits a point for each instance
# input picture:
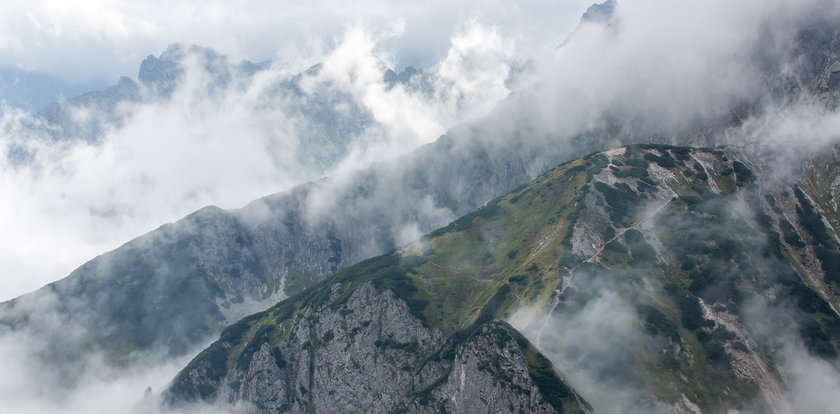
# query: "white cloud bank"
(226, 146)
(102, 39)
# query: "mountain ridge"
(480, 268)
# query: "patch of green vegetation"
(601, 160)
(811, 220)
(655, 322)
(493, 307)
(664, 161)
(213, 362)
(816, 339)
(808, 301)
(621, 199)
(487, 212)
(520, 280)
(683, 153)
(713, 347)
(830, 261)
(790, 235)
(639, 248)
(278, 358)
(645, 187)
(691, 315)
(744, 175)
(689, 200)
(701, 172)
(617, 247)
(639, 172)
(637, 163)
(825, 249)
(297, 280)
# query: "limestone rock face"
(371, 354)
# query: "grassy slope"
(425, 276)
(515, 251)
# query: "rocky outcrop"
(369, 353)
(821, 182)
(599, 12)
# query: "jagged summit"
(164, 73)
(599, 12)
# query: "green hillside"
(681, 238)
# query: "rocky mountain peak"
(599, 12)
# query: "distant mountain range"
(32, 90)
(327, 117)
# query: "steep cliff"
(366, 350)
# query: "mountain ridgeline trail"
(680, 245)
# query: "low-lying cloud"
(100, 40)
(67, 200)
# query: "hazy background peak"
(97, 41)
(87, 174)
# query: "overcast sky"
(100, 40)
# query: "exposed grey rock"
(369, 354)
(600, 12)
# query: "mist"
(96, 40)
(658, 72)
(66, 201)
(159, 157)
(26, 386)
(811, 381)
(600, 339)
(664, 72)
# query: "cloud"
(211, 143)
(811, 382)
(588, 345)
(98, 39)
(465, 84)
(225, 142)
(29, 386)
(659, 69)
